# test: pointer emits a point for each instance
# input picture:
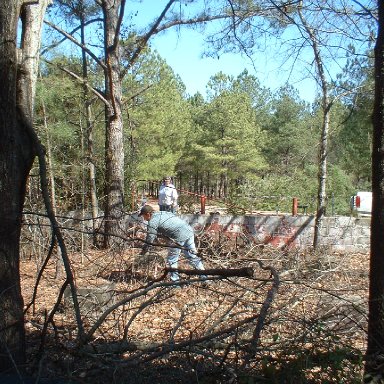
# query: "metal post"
(133, 199)
(294, 206)
(203, 198)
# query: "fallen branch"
(238, 272)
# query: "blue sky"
(183, 49)
(183, 52)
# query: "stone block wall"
(341, 233)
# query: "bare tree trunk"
(323, 151)
(196, 188)
(322, 175)
(217, 187)
(49, 161)
(223, 185)
(59, 264)
(374, 369)
(89, 136)
(92, 172)
(114, 149)
(18, 75)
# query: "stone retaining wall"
(340, 233)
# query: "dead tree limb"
(233, 272)
(263, 311)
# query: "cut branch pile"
(262, 314)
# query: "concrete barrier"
(283, 231)
(341, 233)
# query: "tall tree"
(18, 73)
(290, 133)
(82, 11)
(159, 118)
(231, 138)
(113, 12)
(374, 369)
(314, 41)
(354, 139)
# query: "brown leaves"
(234, 322)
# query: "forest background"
(240, 142)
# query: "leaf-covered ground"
(300, 318)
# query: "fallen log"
(233, 272)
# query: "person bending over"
(176, 231)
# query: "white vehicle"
(361, 203)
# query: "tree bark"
(49, 161)
(89, 135)
(114, 148)
(18, 73)
(374, 369)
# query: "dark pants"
(167, 208)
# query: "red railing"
(203, 198)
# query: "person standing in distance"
(168, 196)
(175, 230)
